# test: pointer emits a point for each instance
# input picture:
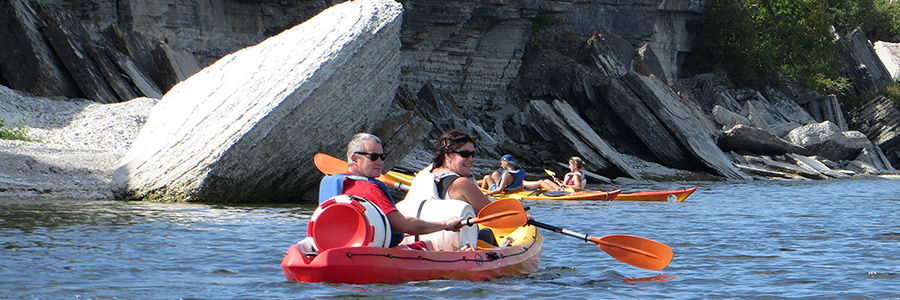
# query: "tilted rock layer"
(244, 129)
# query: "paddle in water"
(633, 250)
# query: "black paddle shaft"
(582, 236)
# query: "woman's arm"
(411, 225)
(463, 189)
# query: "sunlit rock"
(246, 128)
(560, 122)
(827, 140)
(686, 122)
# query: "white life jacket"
(423, 201)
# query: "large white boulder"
(245, 129)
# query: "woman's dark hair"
(451, 140)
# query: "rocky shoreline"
(78, 145)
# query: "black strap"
(444, 183)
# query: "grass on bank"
(16, 132)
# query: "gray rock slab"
(29, 62)
(245, 129)
(814, 164)
(755, 140)
(879, 120)
(862, 64)
(563, 124)
(784, 167)
(649, 129)
(827, 140)
(685, 122)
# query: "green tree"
(767, 41)
(880, 19)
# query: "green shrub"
(893, 92)
(13, 132)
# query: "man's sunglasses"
(464, 153)
(373, 156)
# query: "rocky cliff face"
(472, 50)
(209, 29)
(657, 24)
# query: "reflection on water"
(833, 239)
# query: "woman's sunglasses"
(464, 153)
(374, 156)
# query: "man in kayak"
(365, 156)
(508, 179)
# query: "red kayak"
(362, 265)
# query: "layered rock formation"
(862, 64)
(471, 50)
(879, 120)
(50, 53)
(245, 128)
(653, 25)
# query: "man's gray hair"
(356, 143)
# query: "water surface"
(747, 240)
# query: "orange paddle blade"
(504, 213)
(331, 165)
(636, 251)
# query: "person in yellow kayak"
(453, 159)
(365, 156)
(573, 181)
(509, 179)
(452, 165)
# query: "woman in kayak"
(573, 180)
(508, 179)
(453, 159)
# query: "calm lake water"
(747, 240)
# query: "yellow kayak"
(662, 196)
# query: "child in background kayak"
(573, 181)
(508, 179)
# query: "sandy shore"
(78, 145)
